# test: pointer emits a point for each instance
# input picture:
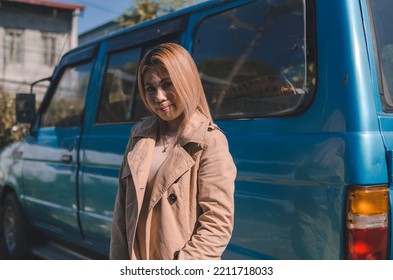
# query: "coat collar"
(195, 131)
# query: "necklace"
(167, 141)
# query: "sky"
(98, 12)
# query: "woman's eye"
(149, 89)
(167, 85)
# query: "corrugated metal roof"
(52, 4)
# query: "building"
(34, 34)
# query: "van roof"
(178, 13)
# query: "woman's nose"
(161, 95)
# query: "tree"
(9, 130)
(143, 10)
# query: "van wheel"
(14, 228)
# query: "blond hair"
(183, 74)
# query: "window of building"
(49, 49)
(256, 60)
(13, 46)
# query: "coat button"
(172, 198)
(176, 255)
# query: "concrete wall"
(33, 22)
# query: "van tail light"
(367, 222)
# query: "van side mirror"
(25, 107)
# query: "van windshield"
(381, 12)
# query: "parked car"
(303, 90)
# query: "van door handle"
(66, 158)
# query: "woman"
(176, 185)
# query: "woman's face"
(161, 95)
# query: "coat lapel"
(139, 160)
(175, 165)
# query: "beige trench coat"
(192, 202)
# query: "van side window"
(383, 34)
(118, 92)
(252, 60)
(68, 101)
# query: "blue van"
(303, 90)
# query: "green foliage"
(9, 130)
(143, 10)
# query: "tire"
(14, 229)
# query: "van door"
(51, 155)
(258, 79)
(102, 146)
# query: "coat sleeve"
(216, 184)
(119, 245)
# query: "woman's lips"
(165, 108)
